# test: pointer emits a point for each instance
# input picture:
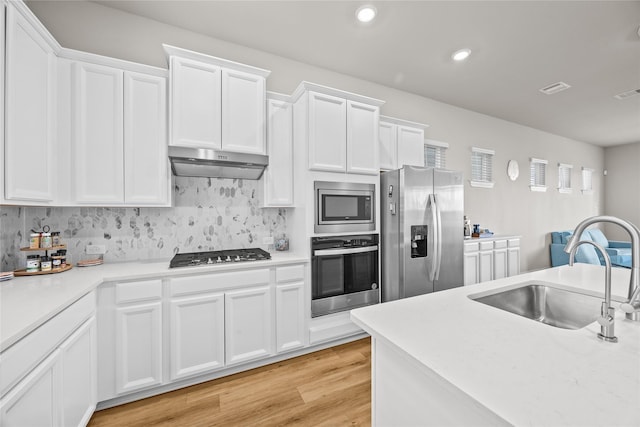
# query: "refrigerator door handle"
(435, 238)
(438, 242)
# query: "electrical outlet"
(95, 249)
(267, 240)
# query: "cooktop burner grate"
(218, 257)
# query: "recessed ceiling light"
(366, 14)
(461, 55)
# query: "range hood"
(209, 163)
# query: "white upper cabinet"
(327, 132)
(278, 176)
(98, 140)
(243, 112)
(146, 170)
(340, 129)
(388, 133)
(401, 143)
(118, 136)
(362, 138)
(29, 150)
(215, 103)
(195, 104)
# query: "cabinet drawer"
(486, 246)
(216, 281)
(289, 273)
(514, 243)
(471, 247)
(24, 355)
(500, 244)
(138, 291)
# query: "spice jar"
(55, 238)
(55, 262)
(33, 263)
(34, 241)
(62, 253)
(45, 240)
(45, 263)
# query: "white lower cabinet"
(138, 346)
(50, 375)
(79, 375)
(159, 331)
(486, 260)
(196, 334)
(290, 308)
(248, 324)
(35, 400)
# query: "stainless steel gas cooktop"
(218, 257)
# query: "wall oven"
(344, 207)
(344, 273)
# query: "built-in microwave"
(343, 207)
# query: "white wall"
(508, 208)
(622, 187)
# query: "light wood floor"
(330, 387)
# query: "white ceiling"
(517, 48)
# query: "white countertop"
(524, 371)
(27, 302)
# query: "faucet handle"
(630, 307)
(605, 320)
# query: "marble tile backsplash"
(207, 214)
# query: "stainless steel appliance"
(343, 207)
(191, 259)
(344, 273)
(422, 231)
(209, 163)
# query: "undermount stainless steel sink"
(546, 304)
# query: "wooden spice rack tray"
(24, 272)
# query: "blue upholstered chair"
(619, 252)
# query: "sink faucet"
(607, 313)
(632, 306)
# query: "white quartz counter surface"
(27, 302)
(526, 372)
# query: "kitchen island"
(445, 359)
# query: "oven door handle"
(328, 252)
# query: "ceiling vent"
(555, 88)
(627, 94)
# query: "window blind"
(481, 167)
(587, 180)
(435, 156)
(538, 175)
(564, 177)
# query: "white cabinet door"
(327, 132)
(278, 176)
(196, 335)
(79, 387)
(513, 261)
(146, 170)
(486, 265)
(98, 148)
(138, 346)
(243, 116)
(387, 135)
(248, 324)
(499, 263)
(471, 268)
(410, 146)
(30, 113)
(195, 104)
(35, 401)
(290, 316)
(362, 138)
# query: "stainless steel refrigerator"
(422, 231)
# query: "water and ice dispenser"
(418, 241)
